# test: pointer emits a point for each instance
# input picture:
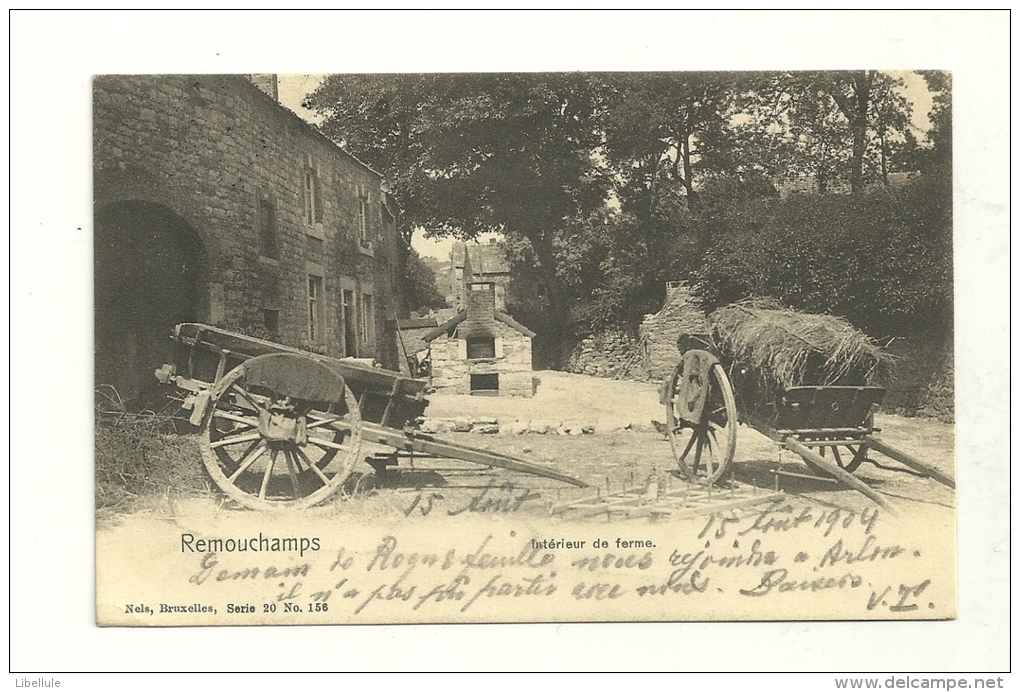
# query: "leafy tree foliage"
(889, 122)
(940, 137)
(661, 129)
(882, 259)
(467, 154)
(822, 139)
(422, 293)
(688, 163)
(852, 93)
(837, 127)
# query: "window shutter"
(462, 349)
(318, 198)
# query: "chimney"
(266, 83)
(480, 306)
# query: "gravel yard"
(599, 431)
(625, 450)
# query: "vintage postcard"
(546, 347)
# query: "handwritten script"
(783, 560)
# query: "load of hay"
(775, 348)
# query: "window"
(481, 347)
(267, 229)
(367, 319)
(363, 219)
(315, 308)
(313, 198)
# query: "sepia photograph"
(572, 332)
(593, 344)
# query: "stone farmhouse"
(215, 204)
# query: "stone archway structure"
(151, 272)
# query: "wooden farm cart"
(283, 428)
(830, 427)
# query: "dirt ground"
(446, 507)
(624, 452)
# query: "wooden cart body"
(830, 426)
(283, 428)
(203, 355)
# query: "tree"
(852, 93)
(933, 154)
(467, 154)
(940, 136)
(662, 128)
(835, 125)
(687, 157)
(890, 120)
(820, 136)
(421, 290)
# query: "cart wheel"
(268, 450)
(705, 448)
(849, 454)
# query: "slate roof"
(417, 322)
(484, 259)
(449, 325)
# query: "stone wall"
(681, 313)
(611, 354)
(650, 356)
(451, 371)
(213, 152)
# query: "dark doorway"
(350, 326)
(149, 276)
(485, 385)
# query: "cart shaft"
(812, 458)
(412, 441)
(881, 447)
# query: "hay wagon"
(284, 428)
(826, 421)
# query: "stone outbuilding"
(481, 350)
(216, 204)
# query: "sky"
(292, 90)
(294, 87)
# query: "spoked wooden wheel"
(847, 453)
(701, 415)
(267, 447)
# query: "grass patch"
(145, 460)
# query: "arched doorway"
(150, 274)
